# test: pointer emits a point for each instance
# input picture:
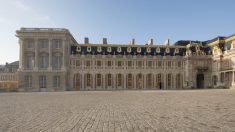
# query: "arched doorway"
(139, 81)
(76, 81)
(200, 80)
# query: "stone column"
(36, 54)
(64, 54)
(21, 53)
(50, 54)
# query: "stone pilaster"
(64, 54)
(36, 53)
(50, 54)
(22, 48)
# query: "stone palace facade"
(52, 60)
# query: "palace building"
(52, 60)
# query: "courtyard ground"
(189, 110)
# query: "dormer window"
(129, 49)
(109, 49)
(99, 49)
(167, 50)
(176, 50)
(148, 49)
(158, 50)
(139, 49)
(78, 49)
(119, 49)
(89, 49)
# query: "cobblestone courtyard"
(191, 110)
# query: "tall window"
(88, 82)
(109, 80)
(56, 43)
(88, 63)
(42, 81)
(129, 63)
(57, 61)
(99, 80)
(119, 80)
(179, 64)
(159, 63)
(109, 63)
(169, 64)
(150, 64)
(29, 61)
(139, 64)
(129, 81)
(169, 80)
(119, 63)
(43, 43)
(159, 81)
(99, 63)
(178, 81)
(29, 43)
(43, 60)
(149, 81)
(56, 81)
(78, 63)
(28, 81)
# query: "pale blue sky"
(118, 20)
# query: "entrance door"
(200, 80)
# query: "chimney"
(167, 42)
(132, 42)
(105, 41)
(150, 42)
(86, 40)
